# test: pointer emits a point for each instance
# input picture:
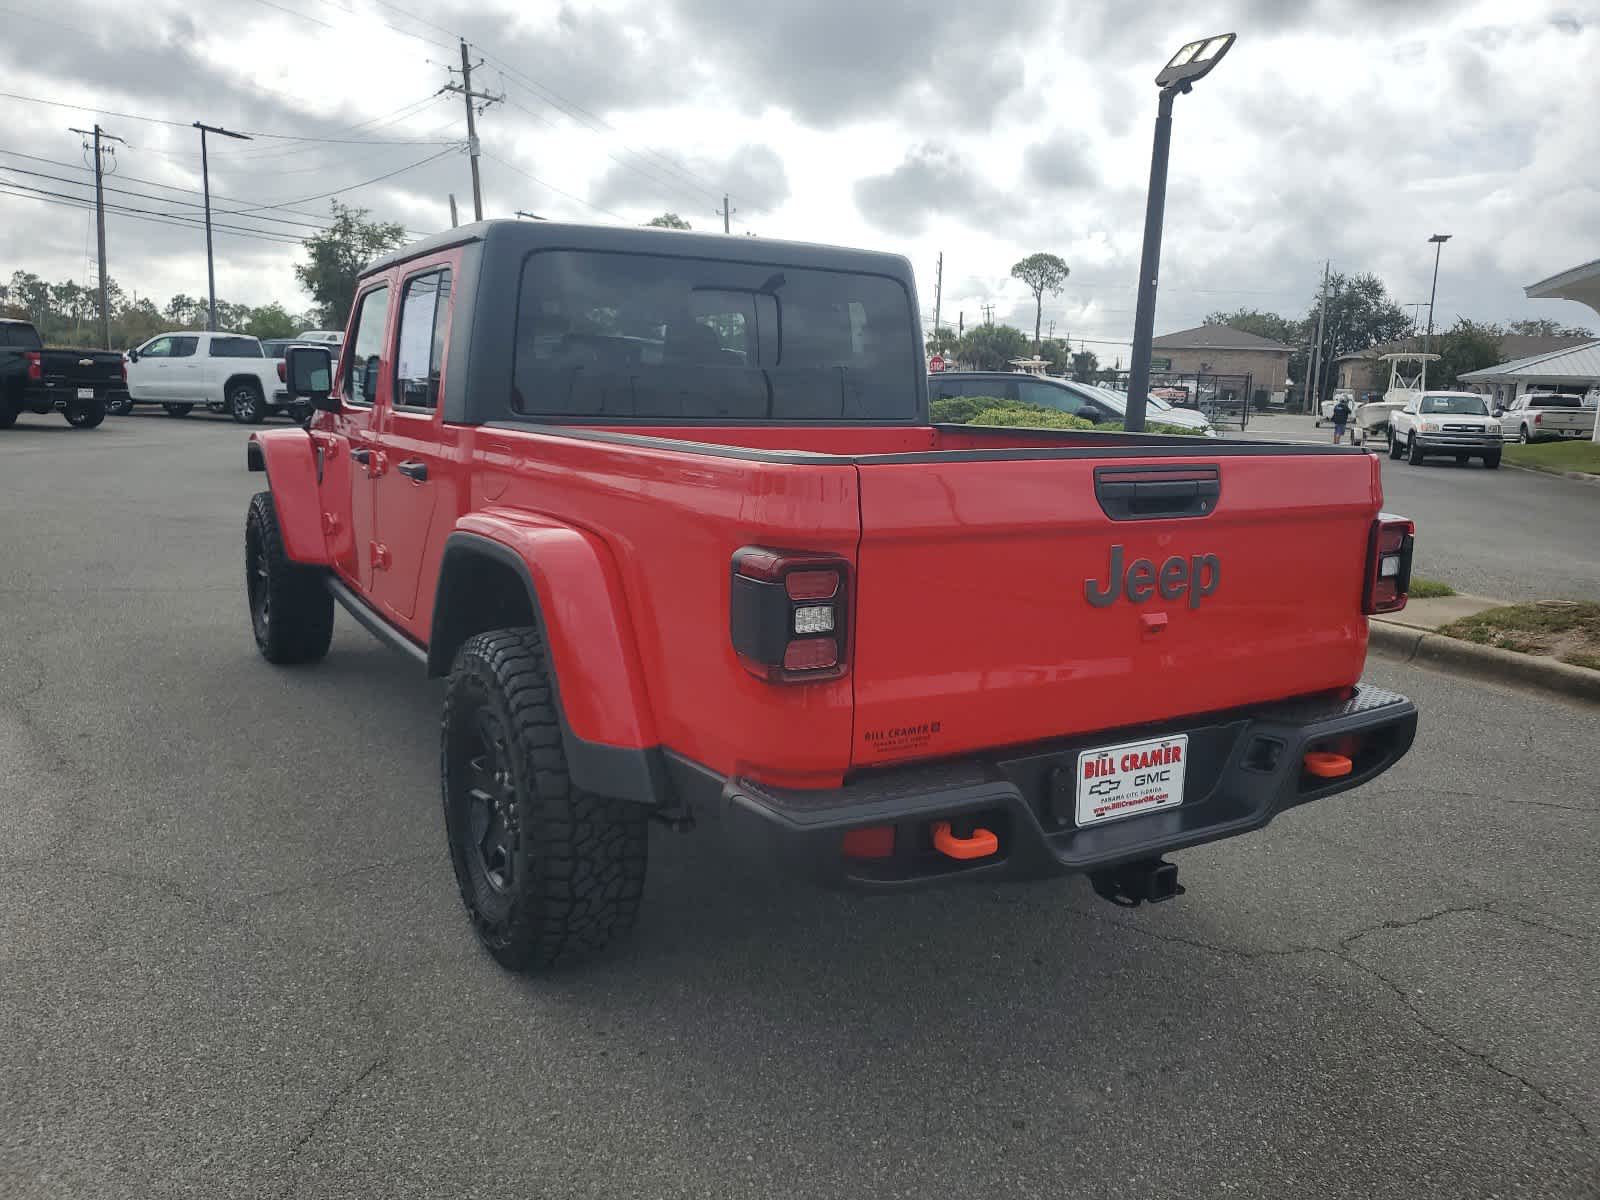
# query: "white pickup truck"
(1542, 416)
(1446, 425)
(226, 372)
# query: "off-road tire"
(178, 410)
(291, 611)
(85, 414)
(248, 405)
(571, 864)
(1413, 451)
(1492, 461)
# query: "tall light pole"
(205, 182)
(1179, 75)
(1438, 240)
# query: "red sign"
(936, 363)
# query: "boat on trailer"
(1408, 379)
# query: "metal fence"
(1227, 400)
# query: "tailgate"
(81, 368)
(987, 612)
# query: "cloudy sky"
(1339, 129)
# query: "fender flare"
(597, 680)
(289, 459)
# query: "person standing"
(1341, 418)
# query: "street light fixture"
(1190, 63)
(205, 176)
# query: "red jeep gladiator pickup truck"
(668, 512)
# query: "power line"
(282, 137)
(24, 192)
(242, 212)
(552, 187)
(147, 196)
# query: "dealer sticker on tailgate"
(1130, 779)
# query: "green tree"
(991, 347)
(1545, 327)
(1084, 365)
(1042, 273)
(942, 340)
(1360, 315)
(1465, 346)
(1057, 354)
(1263, 324)
(337, 256)
(270, 321)
(669, 220)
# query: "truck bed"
(973, 553)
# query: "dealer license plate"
(85, 393)
(1131, 779)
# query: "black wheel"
(1394, 444)
(86, 414)
(178, 410)
(548, 873)
(8, 415)
(1492, 461)
(120, 404)
(248, 405)
(1413, 451)
(291, 612)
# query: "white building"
(1581, 284)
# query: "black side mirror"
(308, 372)
(1498, 411)
(133, 356)
(369, 380)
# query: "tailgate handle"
(1150, 493)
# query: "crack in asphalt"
(324, 1117)
(314, 885)
(1552, 804)
(1343, 953)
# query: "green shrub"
(958, 410)
(1018, 414)
(1029, 417)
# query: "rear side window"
(184, 347)
(608, 335)
(235, 347)
(424, 311)
(20, 337)
(1556, 402)
(1048, 396)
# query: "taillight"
(787, 614)
(35, 365)
(1538, 418)
(124, 370)
(283, 371)
(1388, 564)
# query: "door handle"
(361, 455)
(412, 469)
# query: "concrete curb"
(1580, 476)
(1484, 662)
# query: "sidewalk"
(1410, 636)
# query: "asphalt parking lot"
(233, 961)
(1514, 535)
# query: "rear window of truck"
(614, 335)
(235, 347)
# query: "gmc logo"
(1197, 576)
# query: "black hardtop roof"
(520, 237)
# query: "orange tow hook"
(981, 844)
(1327, 765)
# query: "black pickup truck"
(74, 383)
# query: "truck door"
(352, 460)
(148, 376)
(183, 379)
(409, 439)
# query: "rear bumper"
(1244, 769)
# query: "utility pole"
(988, 313)
(961, 323)
(1438, 240)
(1050, 332)
(100, 135)
(938, 290)
(1313, 392)
(205, 176)
(468, 95)
(455, 221)
(726, 214)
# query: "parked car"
(332, 338)
(39, 379)
(667, 511)
(1445, 424)
(1093, 403)
(1547, 416)
(226, 372)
